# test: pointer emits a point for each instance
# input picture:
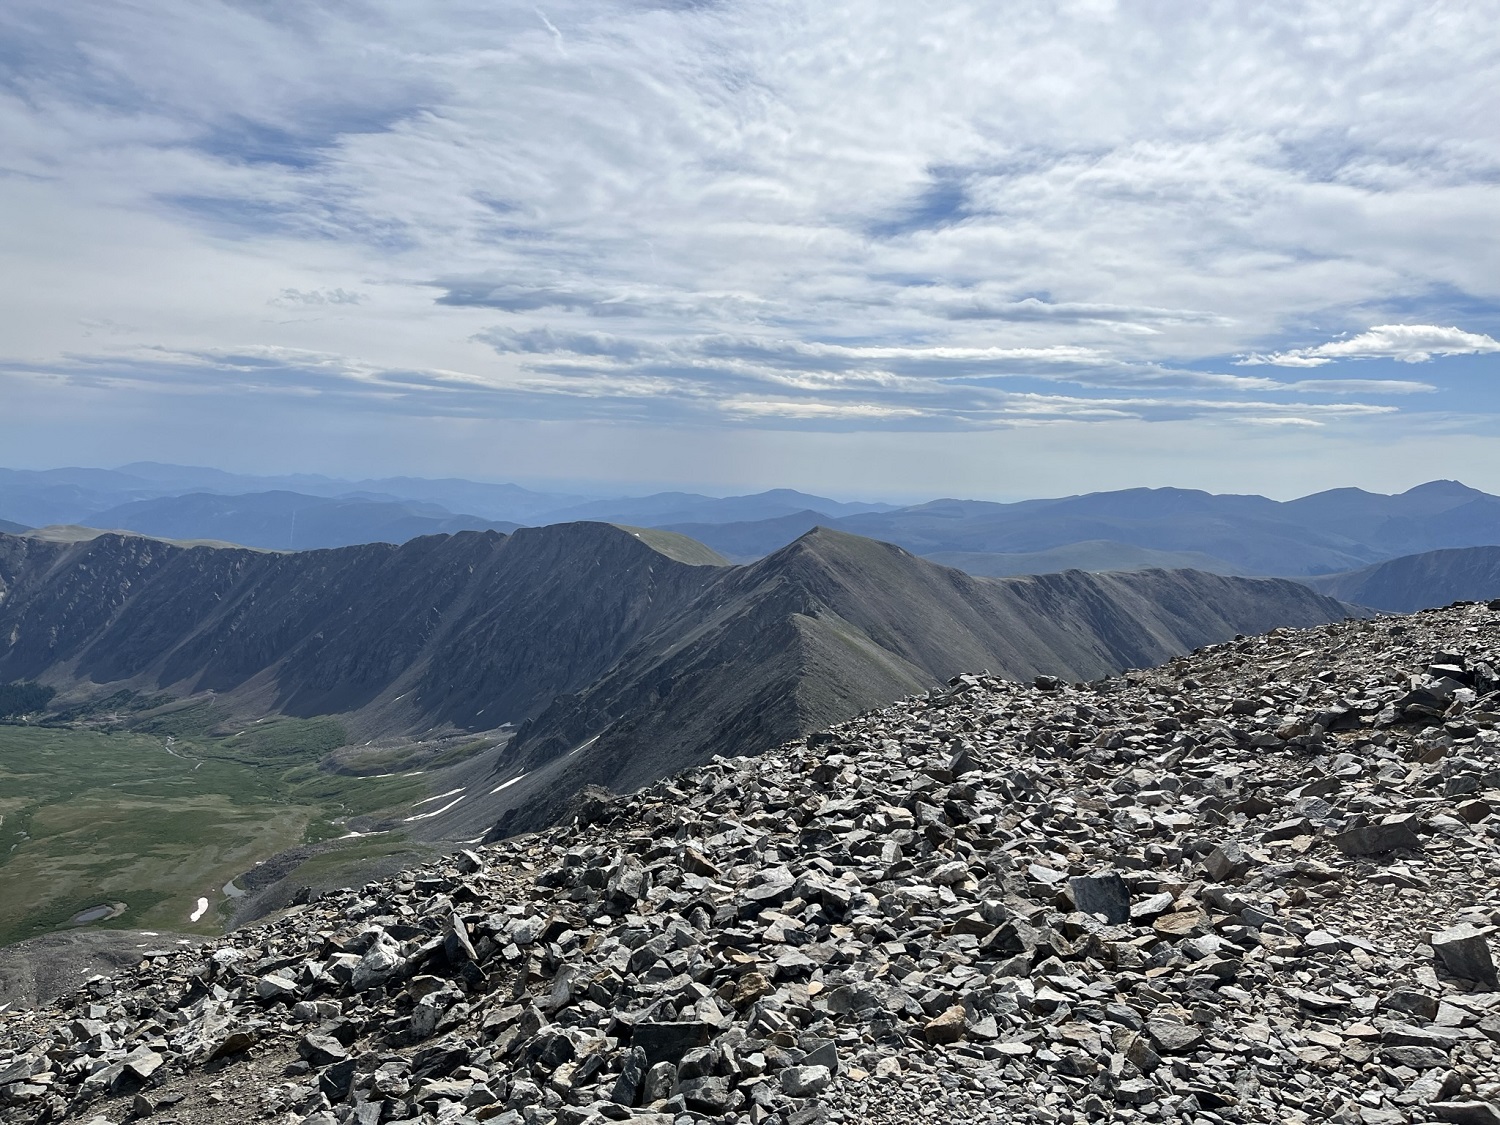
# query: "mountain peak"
(1450, 490)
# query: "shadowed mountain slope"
(1421, 581)
(622, 654)
(475, 629)
(835, 624)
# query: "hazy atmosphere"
(876, 250)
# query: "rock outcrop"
(1260, 883)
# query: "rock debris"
(1259, 883)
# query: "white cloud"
(1360, 387)
(1409, 343)
(859, 214)
(293, 298)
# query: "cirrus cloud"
(849, 215)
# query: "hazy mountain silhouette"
(1421, 581)
(288, 520)
(1329, 532)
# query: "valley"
(148, 824)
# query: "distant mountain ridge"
(677, 508)
(1421, 581)
(173, 501)
(288, 521)
(619, 654)
(1250, 535)
(1330, 532)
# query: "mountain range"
(177, 497)
(1332, 532)
(615, 655)
(288, 521)
(1328, 532)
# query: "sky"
(876, 249)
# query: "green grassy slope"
(156, 819)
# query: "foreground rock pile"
(1257, 884)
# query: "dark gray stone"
(668, 1042)
(1464, 950)
(1396, 834)
(1102, 893)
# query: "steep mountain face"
(622, 654)
(475, 629)
(1421, 581)
(10, 528)
(288, 521)
(835, 624)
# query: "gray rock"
(378, 963)
(1227, 862)
(1466, 1113)
(1172, 1038)
(669, 1041)
(661, 1079)
(805, 1081)
(1411, 1001)
(1464, 951)
(826, 1055)
(320, 1050)
(1102, 893)
(631, 1083)
(709, 1094)
(1395, 834)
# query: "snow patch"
(508, 784)
(439, 797)
(201, 911)
(434, 812)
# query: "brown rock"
(949, 1027)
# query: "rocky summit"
(1260, 883)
